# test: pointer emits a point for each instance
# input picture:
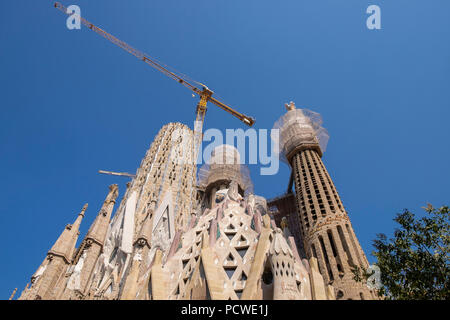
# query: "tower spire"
(325, 227)
(65, 245)
(12, 294)
(98, 229)
(90, 249)
(59, 257)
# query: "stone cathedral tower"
(324, 225)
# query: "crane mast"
(198, 88)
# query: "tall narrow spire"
(65, 245)
(98, 229)
(12, 294)
(59, 257)
(90, 249)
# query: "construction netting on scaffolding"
(300, 126)
(224, 164)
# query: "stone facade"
(172, 237)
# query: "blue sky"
(72, 103)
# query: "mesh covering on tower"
(224, 165)
(300, 127)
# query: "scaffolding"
(300, 127)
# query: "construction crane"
(198, 88)
(120, 174)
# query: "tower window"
(327, 262)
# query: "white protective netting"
(300, 126)
(224, 154)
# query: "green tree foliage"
(414, 264)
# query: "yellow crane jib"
(198, 88)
